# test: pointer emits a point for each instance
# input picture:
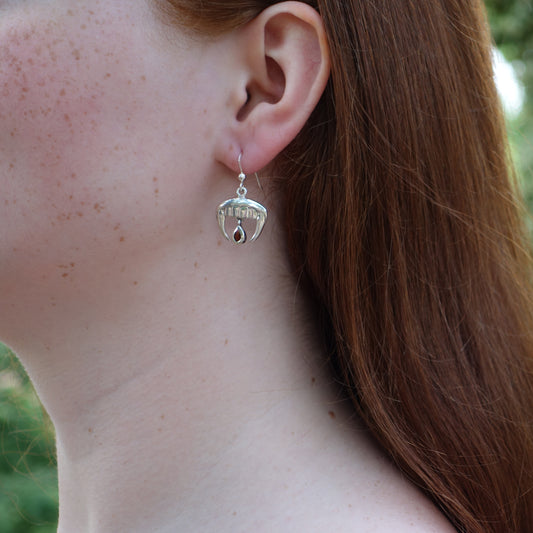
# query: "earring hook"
(241, 208)
(242, 172)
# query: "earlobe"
(286, 60)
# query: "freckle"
(62, 92)
(83, 26)
(76, 54)
(205, 279)
(136, 283)
(219, 243)
(313, 380)
(143, 78)
(162, 417)
(79, 213)
(73, 176)
(154, 180)
(157, 191)
(66, 117)
(65, 275)
(108, 75)
(195, 265)
(116, 227)
(226, 342)
(72, 265)
(332, 415)
(122, 239)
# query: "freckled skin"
(88, 95)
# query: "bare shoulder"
(410, 512)
(390, 508)
(372, 495)
(386, 502)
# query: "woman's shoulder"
(402, 508)
(389, 504)
(370, 494)
(384, 509)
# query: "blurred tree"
(28, 479)
(512, 26)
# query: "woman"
(189, 378)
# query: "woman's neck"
(198, 401)
(178, 391)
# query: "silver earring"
(239, 208)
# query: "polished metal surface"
(241, 208)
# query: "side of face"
(101, 118)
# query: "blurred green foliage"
(512, 27)
(28, 478)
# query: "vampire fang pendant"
(241, 208)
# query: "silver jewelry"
(239, 208)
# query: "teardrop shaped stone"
(239, 235)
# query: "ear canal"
(270, 92)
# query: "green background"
(28, 476)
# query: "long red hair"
(401, 214)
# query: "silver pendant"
(241, 208)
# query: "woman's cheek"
(60, 93)
(53, 92)
(81, 117)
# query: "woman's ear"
(283, 70)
